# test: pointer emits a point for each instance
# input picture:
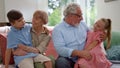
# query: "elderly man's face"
(76, 18)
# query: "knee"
(61, 60)
(62, 63)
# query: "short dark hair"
(13, 15)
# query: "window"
(55, 9)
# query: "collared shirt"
(40, 41)
(16, 37)
(66, 38)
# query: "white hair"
(71, 8)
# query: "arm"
(82, 54)
(59, 38)
(91, 45)
(85, 53)
(97, 38)
(19, 52)
(39, 48)
(7, 57)
(28, 48)
(44, 43)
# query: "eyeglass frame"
(76, 14)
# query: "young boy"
(19, 34)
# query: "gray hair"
(42, 14)
(71, 8)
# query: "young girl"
(99, 59)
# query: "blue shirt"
(16, 37)
(66, 38)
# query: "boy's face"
(18, 24)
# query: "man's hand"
(19, 52)
(82, 54)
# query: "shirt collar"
(44, 31)
(68, 26)
(14, 29)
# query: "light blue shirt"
(16, 37)
(67, 38)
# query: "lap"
(41, 58)
(26, 63)
(40, 65)
(62, 62)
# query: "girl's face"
(99, 26)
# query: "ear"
(12, 23)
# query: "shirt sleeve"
(97, 36)
(59, 44)
(85, 25)
(44, 43)
(11, 41)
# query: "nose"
(81, 18)
(23, 21)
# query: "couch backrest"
(115, 39)
(50, 49)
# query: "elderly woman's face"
(37, 21)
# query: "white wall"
(109, 10)
(27, 7)
(82, 6)
(42, 4)
(2, 11)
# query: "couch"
(51, 52)
(113, 54)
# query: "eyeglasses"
(77, 15)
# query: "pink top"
(99, 59)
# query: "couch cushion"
(114, 53)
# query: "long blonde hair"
(107, 27)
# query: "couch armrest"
(3, 44)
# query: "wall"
(27, 7)
(2, 11)
(109, 10)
